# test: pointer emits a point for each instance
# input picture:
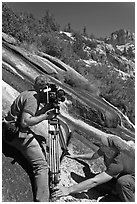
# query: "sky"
(99, 18)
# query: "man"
(119, 158)
(26, 112)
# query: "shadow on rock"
(12, 153)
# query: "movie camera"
(51, 94)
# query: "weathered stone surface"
(9, 39)
(16, 183)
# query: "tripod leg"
(54, 156)
(52, 167)
(57, 153)
(62, 141)
(50, 151)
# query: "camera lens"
(61, 95)
(52, 97)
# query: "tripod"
(55, 140)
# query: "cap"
(40, 82)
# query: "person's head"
(40, 83)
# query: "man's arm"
(85, 185)
(90, 183)
(29, 120)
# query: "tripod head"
(50, 93)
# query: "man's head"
(40, 82)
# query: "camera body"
(51, 94)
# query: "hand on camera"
(51, 114)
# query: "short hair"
(40, 82)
